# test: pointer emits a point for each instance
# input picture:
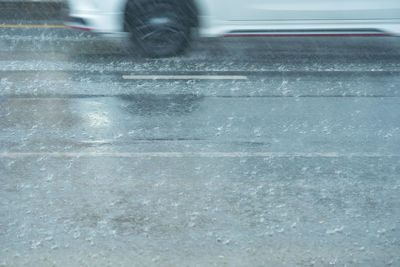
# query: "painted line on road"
(195, 155)
(184, 77)
(31, 26)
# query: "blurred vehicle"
(165, 27)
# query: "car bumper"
(102, 23)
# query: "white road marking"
(31, 26)
(184, 77)
(194, 155)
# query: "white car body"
(260, 17)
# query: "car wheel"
(160, 29)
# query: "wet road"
(279, 152)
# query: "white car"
(164, 27)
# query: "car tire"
(160, 29)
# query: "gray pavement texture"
(298, 165)
(32, 11)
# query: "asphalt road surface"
(243, 152)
